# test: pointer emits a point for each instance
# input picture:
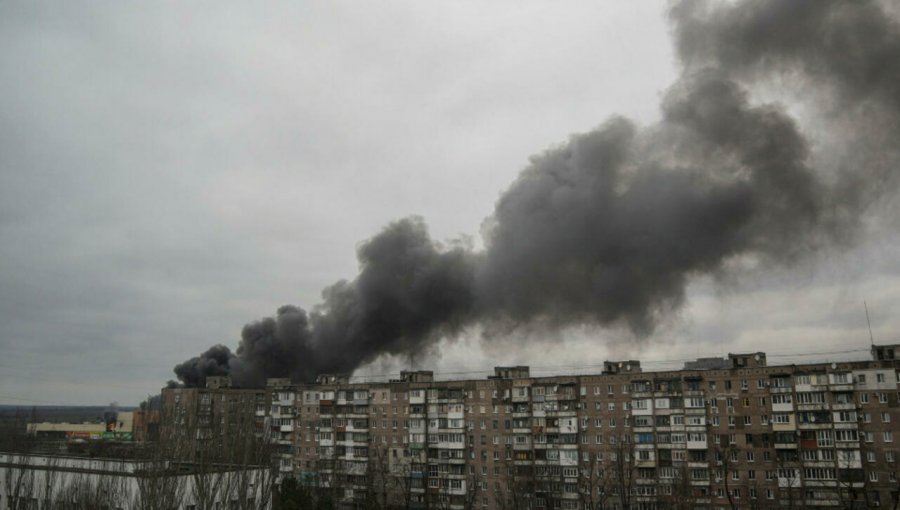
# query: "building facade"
(733, 433)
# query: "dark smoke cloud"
(845, 55)
(215, 361)
(610, 227)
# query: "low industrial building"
(38, 482)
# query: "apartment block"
(195, 420)
(722, 433)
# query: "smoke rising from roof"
(610, 227)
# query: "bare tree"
(19, 475)
(597, 482)
(624, 471)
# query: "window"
(782, 418)
(885, 417)
(781, 398)
(846, 435)
(888, 436)
(882, 398)
(810, 398)
(863, 398)
(879, 377)
(845, 416)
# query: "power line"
(34, 401)
(546, 368)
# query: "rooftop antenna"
(871, 338)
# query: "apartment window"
(879, 377)
(750, 457)
(611, 406)
(760, 384)
(609, 389)
(882, 398)
(781, 399)
(890, 456)
(885, 417)
(846, 435)
(728, 385)
(873, 476)
(694, 402)
(846, 416)
(744, 384)
(888, 436)
(863, 398)
(748, 420)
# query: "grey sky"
(170, 172)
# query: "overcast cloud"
(170, 172)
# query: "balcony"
(697, 445)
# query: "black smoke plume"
(610, 227)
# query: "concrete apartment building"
(721, 433)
